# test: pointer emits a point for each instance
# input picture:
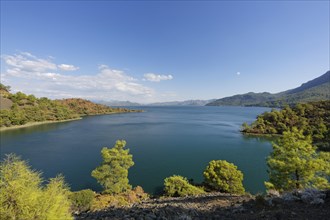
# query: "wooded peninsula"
(312, 118)
(21, 109)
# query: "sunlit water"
(163, 140)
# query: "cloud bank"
(156, 77)
(33, 75)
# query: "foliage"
(136, 195)
(113, 172)
(295, 164)
(55, 200)
(223, 176)
(82, 200)
(28, 108)
(128, 198)
(179, 186)
(85, 107)
(106, 200)
(23, 197)
(312, 118)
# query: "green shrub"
(82, 200)
(22, 197)
(179, 186)
(103, 201)
(224, 177)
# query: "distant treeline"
(312, 118)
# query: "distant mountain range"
(173, 103)
(118, 103)
(313, 90)
(183, 103)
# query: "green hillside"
(315, 90)
(85, 107)
(20, 109)
(313, 118)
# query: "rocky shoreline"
(297, 205)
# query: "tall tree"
(113, 172)
(295, 164)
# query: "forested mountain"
(322, 80)
(314, 90)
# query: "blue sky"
(149, 51)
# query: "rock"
(150, 216)
(276, 201)
(313, 196)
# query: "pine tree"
(295, 164)
(113, 172)
(224, 177)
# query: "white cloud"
(238, 73)
(33, 75)
(27, 62)
(67, 67)
(156, 77)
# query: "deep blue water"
(163, 140)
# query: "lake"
(163, 140)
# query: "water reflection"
(33, 129)
(260, 138)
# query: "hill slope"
(325, 78)
(314, 90)
(312, 118)
(85, 107)
(20, 109)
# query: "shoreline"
(31, 124)
(261, 135)
(111, 113)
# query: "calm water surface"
(163, 140)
